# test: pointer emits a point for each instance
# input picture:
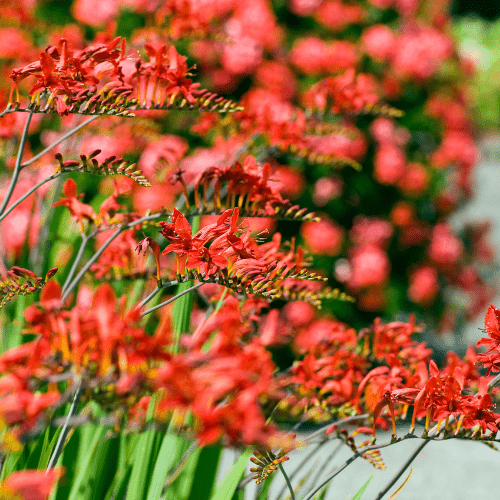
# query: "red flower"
(491, 358)
(31, 484)
(78, 210)
(389, 398)
(142, 247)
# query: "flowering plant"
(168, 184)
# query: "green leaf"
(357, 496)
(183, 484)
(89, 457)
(226, 490)
(47, 447)
(138, 484)
(164, 461)
(205, 473)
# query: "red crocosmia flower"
(149, 242)
(110, 204)
(119, 257)
(180, 234)
(78, 210)
(207, 260)
(445, 248)
(450, 401)
(491, 358)
(389, 398)
(370, 266)
(31, 484)
(24, 406)
(272, 331)
(390, 164)
(478, 411)
(299, 313)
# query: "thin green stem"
(28, 193)
(304, 461)
(401, 471)
(86, 267)
(292, 494)
(331, 476)
(155, 292)
(65, 430)
(61, 139)
(78, 257)
(360, 452)
(17, 166)
(99, 252)
(180, 466)
(175, 297)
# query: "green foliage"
(226, 490)
(357, 496)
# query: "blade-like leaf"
(226, 490)
(357, 496)
(164, 461)
(81, 488)
(205, 473)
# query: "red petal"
(32, 484)
(491, 320)
(433, 369)
(69, 188)
(234, 219)
(51, 291)
(182, 227)
(47, 63)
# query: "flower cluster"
(102, 78)
(244, 347)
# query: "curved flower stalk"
(21, 281)
(282, 126)
(267, 462)
(224, 253)
(348, 93)
(309, 291)
(247, 186)
(94, 81)
(110, 166)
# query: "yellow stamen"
(428, 419)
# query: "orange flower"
(31, 484)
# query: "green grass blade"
(181, 487)
(205, 473)
(166, 458)
(138, 484)
(226, 490)
(47, 447)
(357, 496)
(81, 488)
